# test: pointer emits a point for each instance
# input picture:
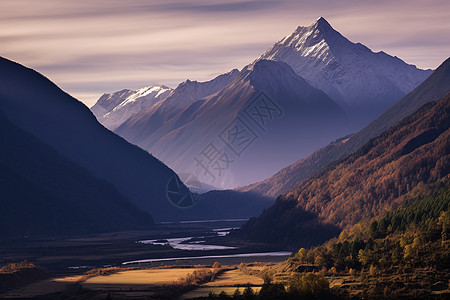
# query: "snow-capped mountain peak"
(311, 41)
(350, 73)
(320, 26)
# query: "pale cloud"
(91, 47)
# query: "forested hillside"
(403, 254)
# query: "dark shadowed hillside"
(36, 105)
(43, 193)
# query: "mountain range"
(359, 84)
(153, 120)
(235, 129)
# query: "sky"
(93, 47)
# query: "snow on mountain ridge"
(187, 93)
(113, 109)
(144, 92)
(107, 102)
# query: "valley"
(136, 261)
(318, 169)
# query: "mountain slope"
(36, 105)
(243, 124)
(53, 195)
(377, 178)
(364, 83)
(434, 87)
(111, 110)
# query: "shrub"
(217, 265)
(308, 285)
(272, 291)
(266, 275)
(237, 293)
(248, 293)
(14, 267)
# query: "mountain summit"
(322, 25)
(359, 80)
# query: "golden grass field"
(139, 283)
(234, 278)
(124, 281)
(137, 279)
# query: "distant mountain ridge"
(153, 120)
(359, 80)
(114, 109)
